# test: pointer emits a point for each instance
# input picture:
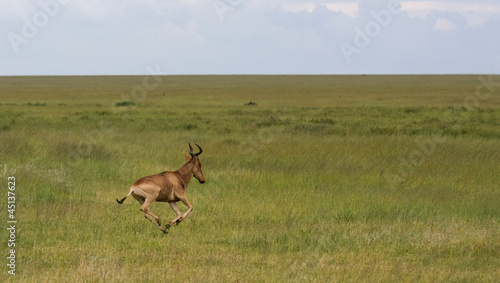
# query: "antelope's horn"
(191, 150)
(201, 150)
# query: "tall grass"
(300, 187)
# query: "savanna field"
(326, 179)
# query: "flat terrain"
(327, 178)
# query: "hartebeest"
(167, 187)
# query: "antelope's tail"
(123, 199)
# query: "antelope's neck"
(186, 172)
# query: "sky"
(137, 37)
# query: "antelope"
(168, 187)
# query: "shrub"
(125, 103)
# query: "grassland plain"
(328, 178)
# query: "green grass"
(328, 178)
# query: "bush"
(125, 103)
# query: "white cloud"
(458, 7)
(298, 7)
(444, 25)
(475, 13)
(16, 8)
(348, 8)
(275, 36)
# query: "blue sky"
(120, 37)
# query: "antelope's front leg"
(190, 208)
(176, 210)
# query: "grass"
(328, 178)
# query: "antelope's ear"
(187, 157)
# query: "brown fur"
(168, 187)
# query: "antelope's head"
(195, 160)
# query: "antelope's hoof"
(177, 222)
(165, 231)
(168, 226)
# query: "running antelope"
(167, 187)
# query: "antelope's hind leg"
(150, 215)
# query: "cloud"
(348, 8)
(444, 25)
(249, 36)
(476, 13)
